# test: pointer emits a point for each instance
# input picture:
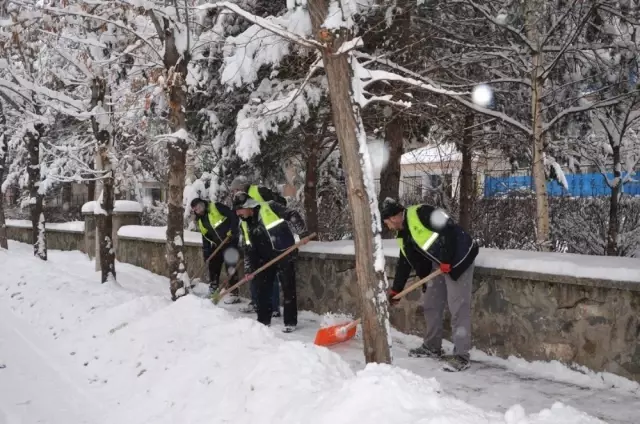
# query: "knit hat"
(239, 183)
(197, 200)
(241, 200)
(390, 208)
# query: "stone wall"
(587, 321)
(56, 239)
(536, 316)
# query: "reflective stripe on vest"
(245, 233)
(269, 219)
(423, 236)
(215, 219)
(401, 245)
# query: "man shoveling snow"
(428, 237)
(266, 234)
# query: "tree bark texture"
(3, 160)
(390, 175)
(176, 67)
(467, 195)
(36, 200)
(104, 221)
(311, 185)
(346, 119)
(538, 145)
(614, 205)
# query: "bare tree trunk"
(176, 66)
(66, 192)
(91, 188)
(538, 145)
(467, 195)
(614, 205)
(346, 118)
(390, 175)
(4, 241)
(36, 199)
(311, 186)
(104, 219)
(4, 244)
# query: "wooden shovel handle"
(353, 324)
(268, 264)
(215, 252)
(417, 284)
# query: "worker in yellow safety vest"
(260, 194)
(267, 231)
(256, 192)
(429, 238)
(216, 221)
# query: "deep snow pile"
(149, 360)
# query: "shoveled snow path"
(490, 388)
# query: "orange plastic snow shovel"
(336, 333)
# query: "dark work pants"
(264, 288)
(253, 288)
(215, 268)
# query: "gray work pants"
(458, 295)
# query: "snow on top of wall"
(72, 227)
(432, 154)
(566, 264)
(120, 206)
(156, 234)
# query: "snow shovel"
(417, 284)
(215, 252)
(335, 334)
(225, 291)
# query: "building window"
(156, 194)
(412, 187)
(435, 182)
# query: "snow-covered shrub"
(155, 214)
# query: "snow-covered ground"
(75, 351)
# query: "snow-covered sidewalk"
(75, 351)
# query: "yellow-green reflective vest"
(215, 219)
(254, 193)
(269, 219)
(423, 236)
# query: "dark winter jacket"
(266, 245)
(454, 247)
(212, 239)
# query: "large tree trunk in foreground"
(614, 205)
(106, 254)
(390, 175)
(346, 119)
(3, 160)
(36, 199)
(467, 195)
(177, 154)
